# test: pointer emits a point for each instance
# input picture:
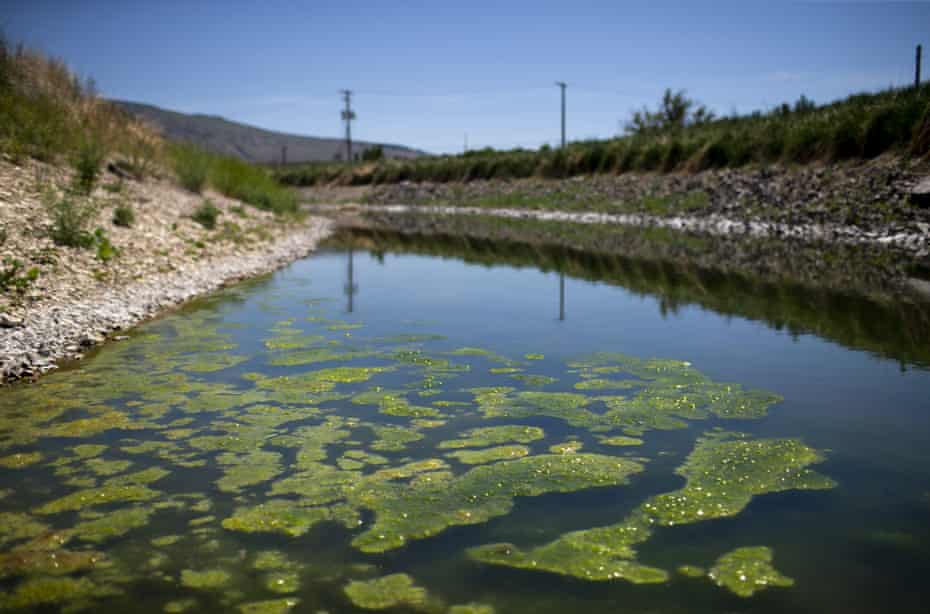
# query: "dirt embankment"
(62, 300)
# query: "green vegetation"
(191, 165)
(679, 135)
(745, 571)
(47, 113)
(124, 216)
(71, 217)
(13, 277)
(386, 592)
(251, 184)
(206, 214)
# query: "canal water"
(387, 428)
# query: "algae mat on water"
(197, 426)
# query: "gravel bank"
(915, 242)
(165, 259)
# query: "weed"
(70, 218)
(253, 185)
(106, 251)
(13, 278)
(192, 166)
(206, 215)
(124, 216)
(87, 161)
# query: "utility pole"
(917, 68)
(283, 155)
(348, 115)
(562, 85)
(466, 142)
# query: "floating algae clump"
(493, 435)
(472, 608)
(393, 404)
(534, 381)
(621, 440)
(240, 470)
(722, 477)
(15, 526)
(393, 438)
(272, 606)
(283, 582)
(284, 516)
(46, 562)
(386, 592)
(107, 467)
(489, 455)
(745, 571)
(691, 571)
(110, 493)
(210, 578)
(45, 591)
(568, 447)
(425, 508)
(20, 460)
(113, 524)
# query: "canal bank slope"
(59, 301)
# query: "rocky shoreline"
(78, 299)
(60, 331)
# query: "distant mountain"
(249, 143)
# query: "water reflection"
(886, 324)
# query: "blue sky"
(427, 73)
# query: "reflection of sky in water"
(216, 532)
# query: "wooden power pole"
(917, 68)
(562, 85)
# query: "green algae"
(425, 508)
(282, 582)
(273, 560)
(747, 570)
(472, 608)
(691, 571)
(489, 455)
(16, 526)
(285, 516)
(567, 447)
(271, 606)
(606, 384)
(113, 524)
(99, 496)
(722, 477)
(291, 342)
(180, 605)
(504, 370)
(318, 484)
(206, 579)
(317, 355)
(386, 592)
(242, 470)
(165, 540)
(391, 438)
(20, 460)
(534, 356)
(46, 562)
(535, 381)
(213, 362)
(493, 435)
(621, 440)
(107, 467)
(317, 438)
(393, 403)
(40, 591)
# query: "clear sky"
(425, 73)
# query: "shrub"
(106, 251)
(192, 167)
(87, 161)
(240, 180)
(124, 216)
(70, 218)
(206, 215)
(11, 279)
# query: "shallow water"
(235, 453)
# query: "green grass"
(206, 215)
(861, 126)
(251, 184)
(191, 165)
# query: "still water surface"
(174, 470)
